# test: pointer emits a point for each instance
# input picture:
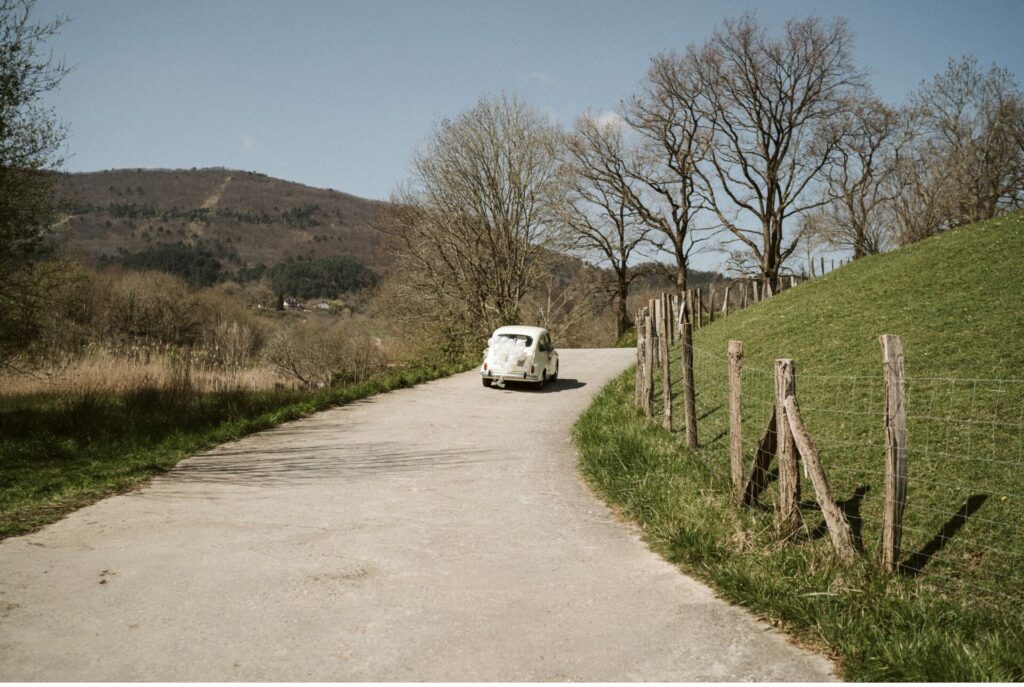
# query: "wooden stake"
(689, 395)
(666, 376)
(895, 451)
(638, 384)
(711, 304)
(736, 419)
(789, 474)
(649, 344)
(838, 527)
(725, 301)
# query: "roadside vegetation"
(62, 451)
(954, 613)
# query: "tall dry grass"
(106, 372)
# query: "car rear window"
(528, 340)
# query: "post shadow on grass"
(758, 483)
(851, 509)
(914, 565)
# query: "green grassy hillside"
(956, 610)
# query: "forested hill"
(243, 218)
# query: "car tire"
(543, 378)
(554, 377)
(487, 382)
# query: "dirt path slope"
(433, 533)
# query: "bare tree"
(479, 211)
(666, 195)
(772, 103)
(859, 186)
(600, 220)
(970, 125)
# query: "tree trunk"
(622, 322)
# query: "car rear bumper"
(510, 376)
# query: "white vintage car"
(519, 354)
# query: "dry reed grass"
(102, 372)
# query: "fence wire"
(963, 527)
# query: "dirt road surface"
(434, 533)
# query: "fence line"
(959, 521)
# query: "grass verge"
(956, 612)
(60, 453)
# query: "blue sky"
(339, 94)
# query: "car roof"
(534, 332)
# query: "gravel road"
(439, 533)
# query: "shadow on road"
(287, 465)
(560, 384)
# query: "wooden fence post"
(757, 291)
(725, 301)
(638, 384)
(649, 344)
(664, 324)
(652, 305)
(689, 395)
(736, 419)
(822, 258)
(838, 527)
(743, 295)
(789, 474)
(711, 304)
(895, 451)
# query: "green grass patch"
(58, 454)
(956, 612)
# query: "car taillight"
(531, 369)
(485, 366)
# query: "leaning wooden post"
(725, 301)
(789, 474)
(895, 451)
(838, 527)
(689, 394)
(736, 420)
(711, 304)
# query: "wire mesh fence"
(963, 522)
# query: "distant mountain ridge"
(246, 218)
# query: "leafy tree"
(30, 138)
